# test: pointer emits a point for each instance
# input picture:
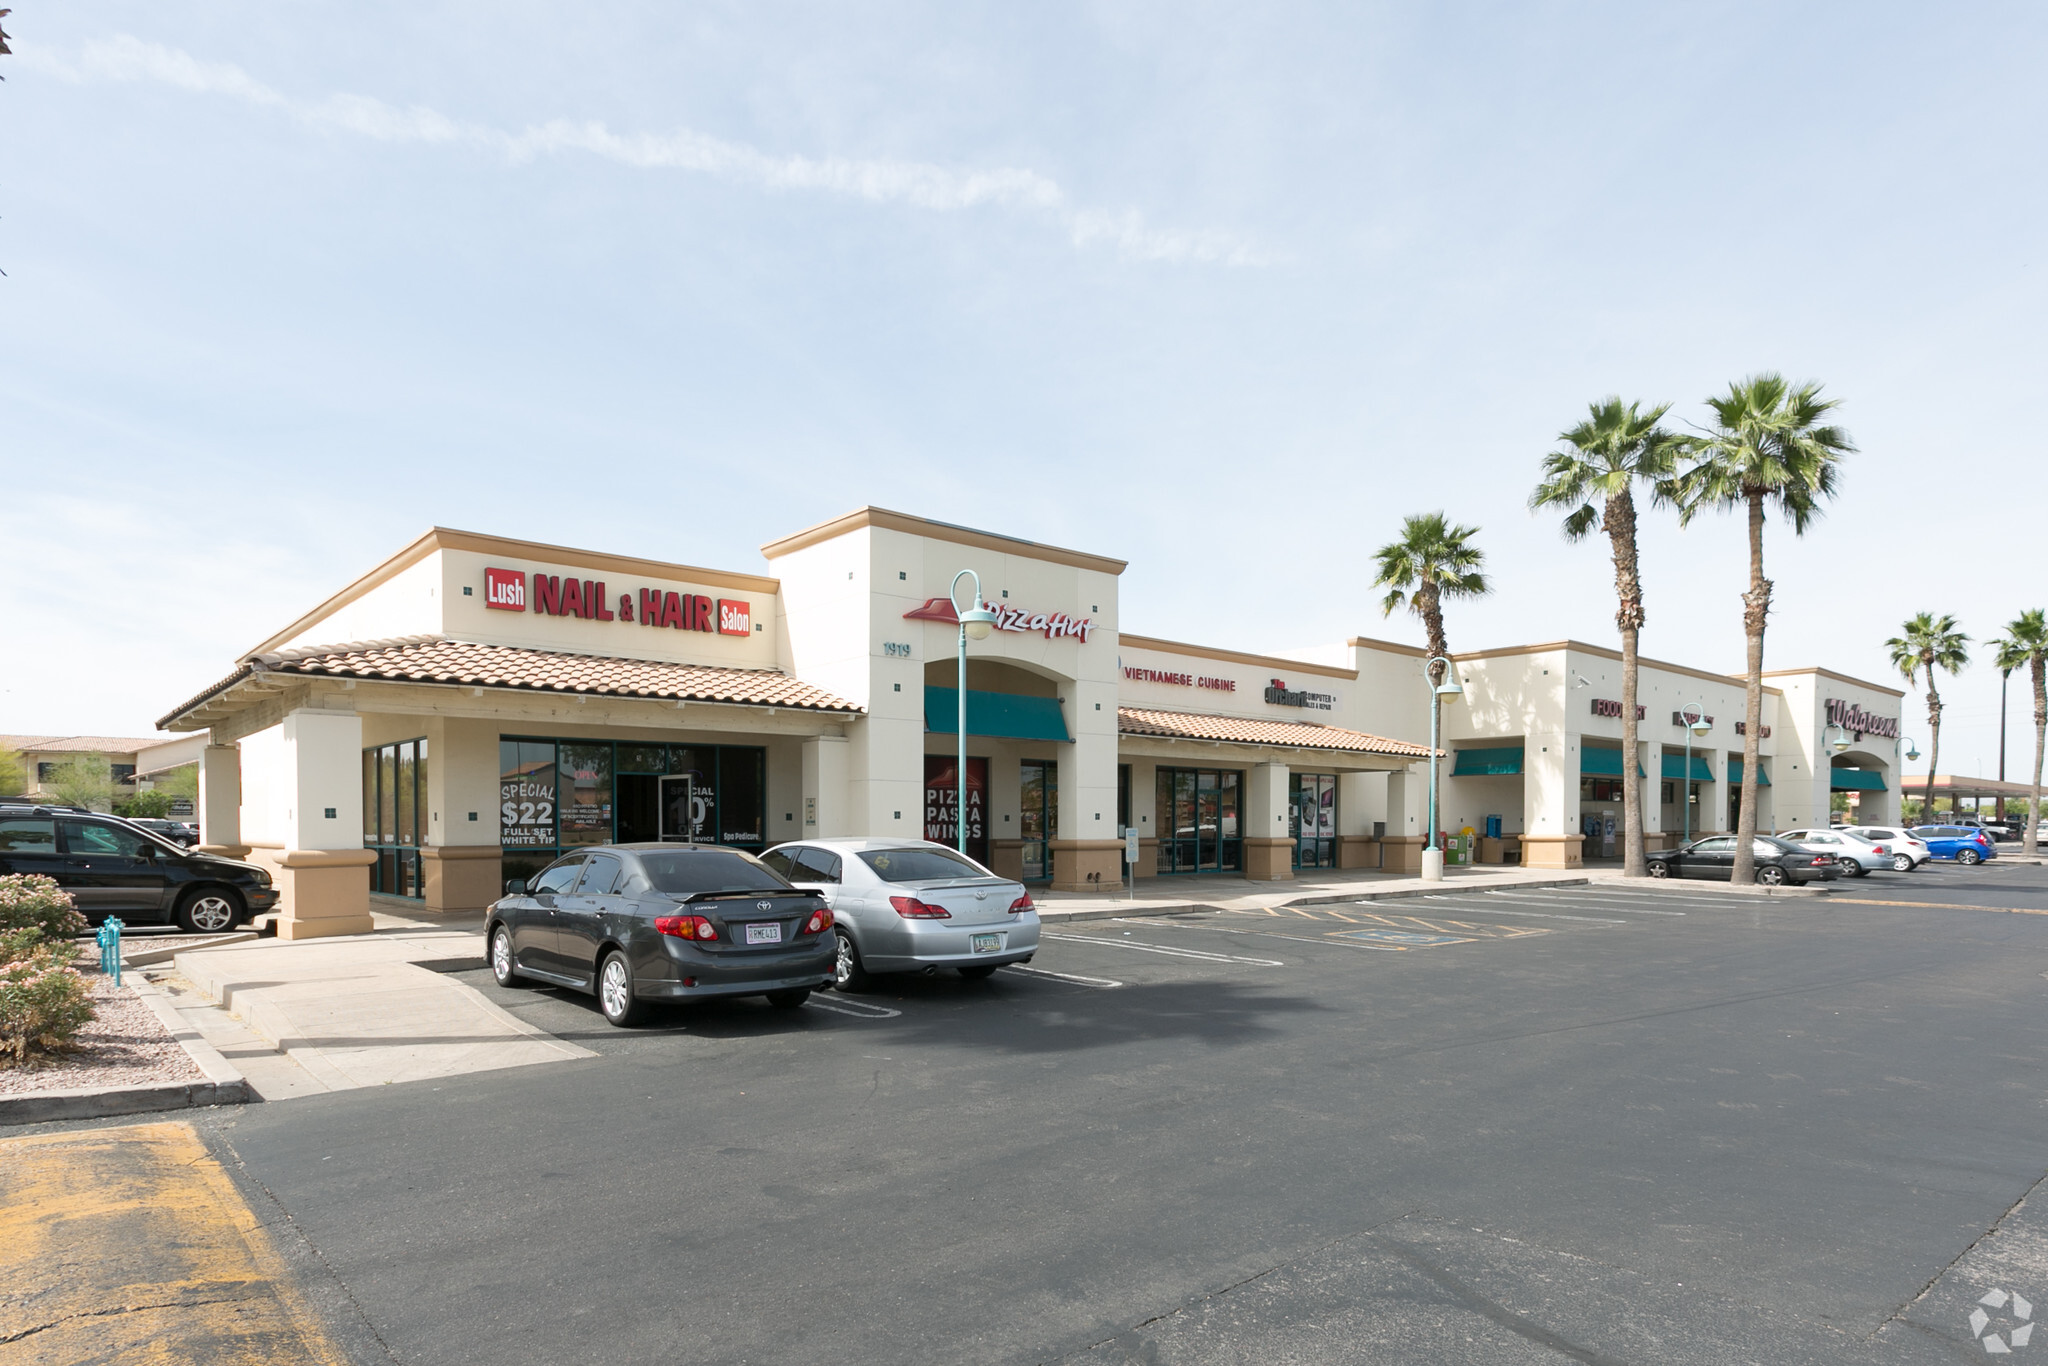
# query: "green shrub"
(44, 1001)
(29, 901)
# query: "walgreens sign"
(562, 595)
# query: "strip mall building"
(474, 705)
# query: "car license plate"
(764, 934)
(987, 943)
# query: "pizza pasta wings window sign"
(564, 595)
(1053, 625)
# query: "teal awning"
(1674, 768)
(1000, 715)
(1854, 780)
(1488, 763)
(1603, 763)
(1763, 775)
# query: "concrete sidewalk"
(359, 1010)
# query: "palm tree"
(2026, 642)
(1432, 561)
(1603, 458)
(1768, 445)
(1930, 643)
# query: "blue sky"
(1220, 290)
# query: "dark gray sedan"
(641, 923)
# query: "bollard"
(110, 948)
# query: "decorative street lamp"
(1432, 856)
(1696, 723)
(1841, 742)
(975, 624)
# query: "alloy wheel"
(842, 965)
(1770, 875)
(1660, 870)
(1902, 863)
(211, 913)
(501, 955)
(614, 992)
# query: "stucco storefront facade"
(476, 704)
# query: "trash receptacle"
(1458, 851)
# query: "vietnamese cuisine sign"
(1179, 680)
(563, 595)
(1008, 618)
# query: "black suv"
(112, 868)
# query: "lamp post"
(1432, 856)
(1696, 723)
(975, 624)
(2004, 675)
(1912, 756)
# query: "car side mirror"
(515, 886)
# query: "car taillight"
(1879, 849)
(820, 921)
(1022, 904)
(685, 927)
(910, 908)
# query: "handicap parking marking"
(1540, 900)
(859, 1010)
(1075, 978)
(1168, 950)
(1409, 939)
(1463, 931)
(1555, 915)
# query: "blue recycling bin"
(1493, 827)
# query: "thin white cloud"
(916, 184)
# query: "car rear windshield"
(920, 865)
(711, 871)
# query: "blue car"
(1959, 842)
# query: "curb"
(222, 1084)
(143, 958)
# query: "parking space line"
(1075, 978)
(1933, 905)
(1552, 915)
(1263, 934)
(1555, 900)
(859, 1010)
(1166, 949)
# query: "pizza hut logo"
(1054, 626)
(505, 590)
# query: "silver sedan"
(911, 906)
(1859, 857)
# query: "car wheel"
(847, 972)
(1771, 875)
(1854, 869)
(974, 972)
(615, 992)
(1902, 863)
(209, 910)
(1659, 868)
(503, 968)
(789, 1000)
(1969, 856)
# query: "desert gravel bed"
(125, 1046)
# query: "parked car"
(111, 868)
(1777, 861)
(640, 923)
(1854, 855)
(1963, 843)
(1909, 851)
(177, 832)
(911, 905)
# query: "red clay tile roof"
(1181, 725)
(462, 664)
(81, 744)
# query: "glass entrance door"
(1198, 820)
(1312, 818)
(1038, 817)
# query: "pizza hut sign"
(564, 595)
(1054, 626)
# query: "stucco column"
(220, 801)
(1650, 754)
(1407, 798)
(1087, 856)
(1713, 811)
(324, 871)
(827, 810)
(1268, 848)
(1355, 805)
(460, 861)
(1550, 801)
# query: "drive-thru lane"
(1596, 1124)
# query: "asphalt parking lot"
(1590, 1124)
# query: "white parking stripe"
(1554, 900)
(1065, 976)
(1166, 949)
(860, 1010)
(1264, 934)
(1532, 915)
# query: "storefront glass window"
(394, 796)
(743, 796)
(643, 758)
(1198, 820)
(1039, 816)
(562, 794)
(1312, 816)
(586, 787)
